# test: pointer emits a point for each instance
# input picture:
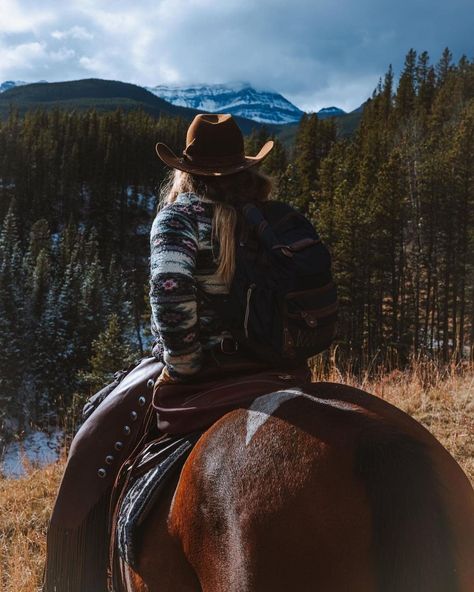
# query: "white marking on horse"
(264, 406)
(336, 403)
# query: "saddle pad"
(159, 460)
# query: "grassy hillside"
(442, 401)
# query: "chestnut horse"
(330, 490)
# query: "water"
(36, 449)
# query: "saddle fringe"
(77, 558)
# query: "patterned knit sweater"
(183, 257)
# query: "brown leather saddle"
(184, 412)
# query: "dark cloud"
(316, 53)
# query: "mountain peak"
(235, 97)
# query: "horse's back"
(333, 491)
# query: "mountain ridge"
(107, 95)
(191, 96)
(97, 93)
(241, 98)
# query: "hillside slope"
(102, 95)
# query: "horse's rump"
(333, 490)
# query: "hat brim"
(169, 158)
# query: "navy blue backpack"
(283, 302)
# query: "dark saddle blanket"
(154, 466)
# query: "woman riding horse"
(312, 487)
(192, 264)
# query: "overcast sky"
(317, 53)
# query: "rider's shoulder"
(186, 205)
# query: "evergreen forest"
(78, 193)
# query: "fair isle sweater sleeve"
(173, 300)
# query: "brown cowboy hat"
(214, 146)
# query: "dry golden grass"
(25, 508)
(442, 400)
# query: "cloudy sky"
(315, 52)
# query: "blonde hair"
(227, 191)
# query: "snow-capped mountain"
(330, 112)
(241, 99)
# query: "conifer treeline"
(77, 196)
(55, 298)
(394, 203)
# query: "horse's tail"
(412, 540)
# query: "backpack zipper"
(247, 309)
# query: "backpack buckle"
(228, 345)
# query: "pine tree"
(68, 328)
(406, 92)
(109, 354)
(444, 66)
(13, 330)
(425, 82)
(45, 362)
(313, 142)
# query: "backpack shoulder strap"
(255, 219)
